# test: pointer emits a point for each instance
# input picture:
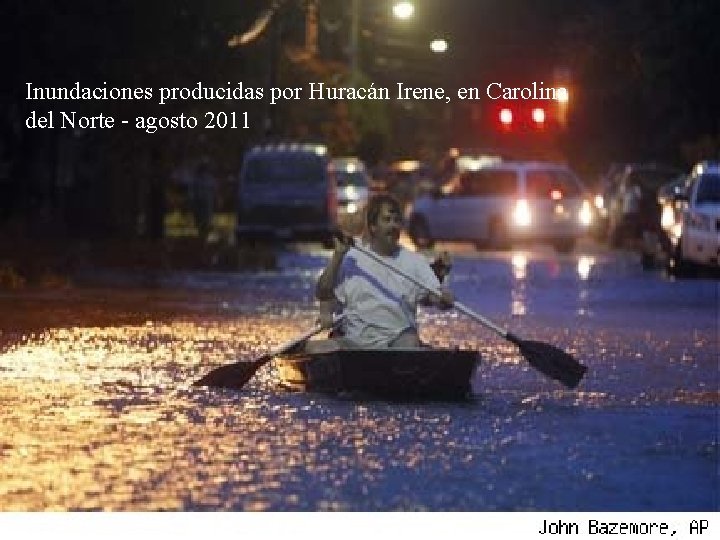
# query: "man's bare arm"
(325, 287)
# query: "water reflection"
(584, 266)
(523, 281)
(518, 306)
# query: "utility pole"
(311, 28)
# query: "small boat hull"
(385, 373)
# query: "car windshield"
(708, 189)
(285, 169)
(357, 179)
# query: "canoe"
(418, 373)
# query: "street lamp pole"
(401, 10)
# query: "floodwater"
(98, 412)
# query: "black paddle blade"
(233, 376)
(551, 361)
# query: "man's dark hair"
(376, 203)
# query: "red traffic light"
(538, 115)
(506, 116)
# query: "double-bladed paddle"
(548, 359)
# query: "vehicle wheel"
(420, 233)
(498, 234)
(564, 246)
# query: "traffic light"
(506, 117)
(538, 116)
(523, 117)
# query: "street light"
(403, 10)
(439, 45)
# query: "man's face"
(386, 231)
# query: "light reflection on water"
(584, 266)
(105, 418)
(519, 297)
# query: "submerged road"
(98, 411)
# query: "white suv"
(503, 203)
(696, 237)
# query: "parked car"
(353, 185)
(504, 203)
(633, 207)
(656, 243)
(604, 192)
(695, 238)
(285, 192)
(458, 160)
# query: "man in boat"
(379, 305)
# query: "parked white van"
(504, 203)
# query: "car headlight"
(521, 213)
(667, 218)
(585, 214)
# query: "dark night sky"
(516, 36)
(633, 59)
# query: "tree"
(644, 71)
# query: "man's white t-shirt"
(378, 303)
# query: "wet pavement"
(98, 411)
